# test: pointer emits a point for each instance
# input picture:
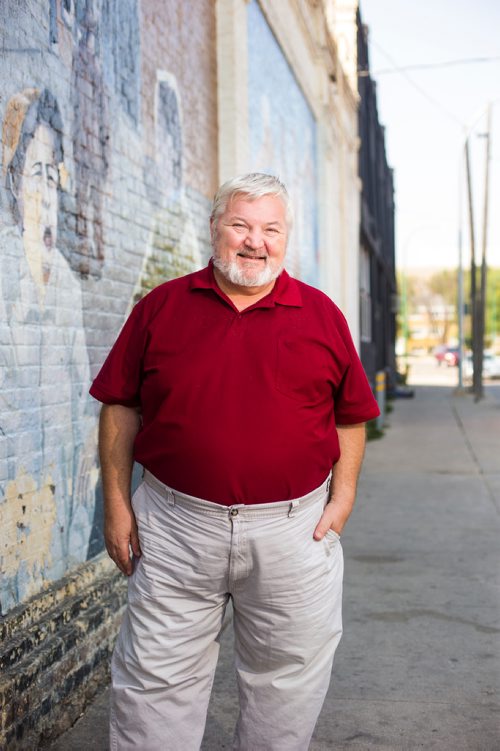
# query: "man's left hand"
(344, 479)
(333, 517)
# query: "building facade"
(119, 119)
(377, 277)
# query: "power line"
(429, 66)
(402, 71)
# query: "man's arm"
(118, 427)
(345, 474)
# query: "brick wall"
(109, 160)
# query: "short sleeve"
(354, 400)
(119, 379)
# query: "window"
(365, 296)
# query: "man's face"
(249, 241)
(38, 191)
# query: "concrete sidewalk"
(419, 663)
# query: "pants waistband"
(253, 510)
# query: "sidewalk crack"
(475, 459)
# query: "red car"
(452, 357)
(448, 355)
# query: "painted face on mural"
(38, 197)
(249, 241)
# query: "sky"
(427, 114)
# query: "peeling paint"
(27, 513)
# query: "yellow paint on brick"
(32, 512)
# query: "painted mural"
(77, 38)
(95, 210)
(90, 139)
(173, 248)
(282, 132)
(47, 429)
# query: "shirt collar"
(286, 291)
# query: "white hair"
(252, 186)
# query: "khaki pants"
(286, 590)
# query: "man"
(238, 389)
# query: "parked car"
(448, 355)
(439, 353)
(452, 356)
(491, 366)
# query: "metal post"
(460, 280)
(482, 296)
(473, 296)
(404, 300)
(380, 396)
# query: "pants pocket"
(332, 535)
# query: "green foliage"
(493, 303)
(444, 284)
(372, 432)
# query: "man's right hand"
(118, 427)
(120, 535)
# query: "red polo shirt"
(237, 407)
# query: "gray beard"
(242, 278)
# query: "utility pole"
(460, 284)
(482, 296)
(460, 311)
(473, 295)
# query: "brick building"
(119, 119)
(377, 280)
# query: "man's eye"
(239, 226)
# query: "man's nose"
(255, 239)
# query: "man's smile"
(251, 257)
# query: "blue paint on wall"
(122, 42)
(282, 132)
(120, 211)
(46, 425)
(53, 37)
